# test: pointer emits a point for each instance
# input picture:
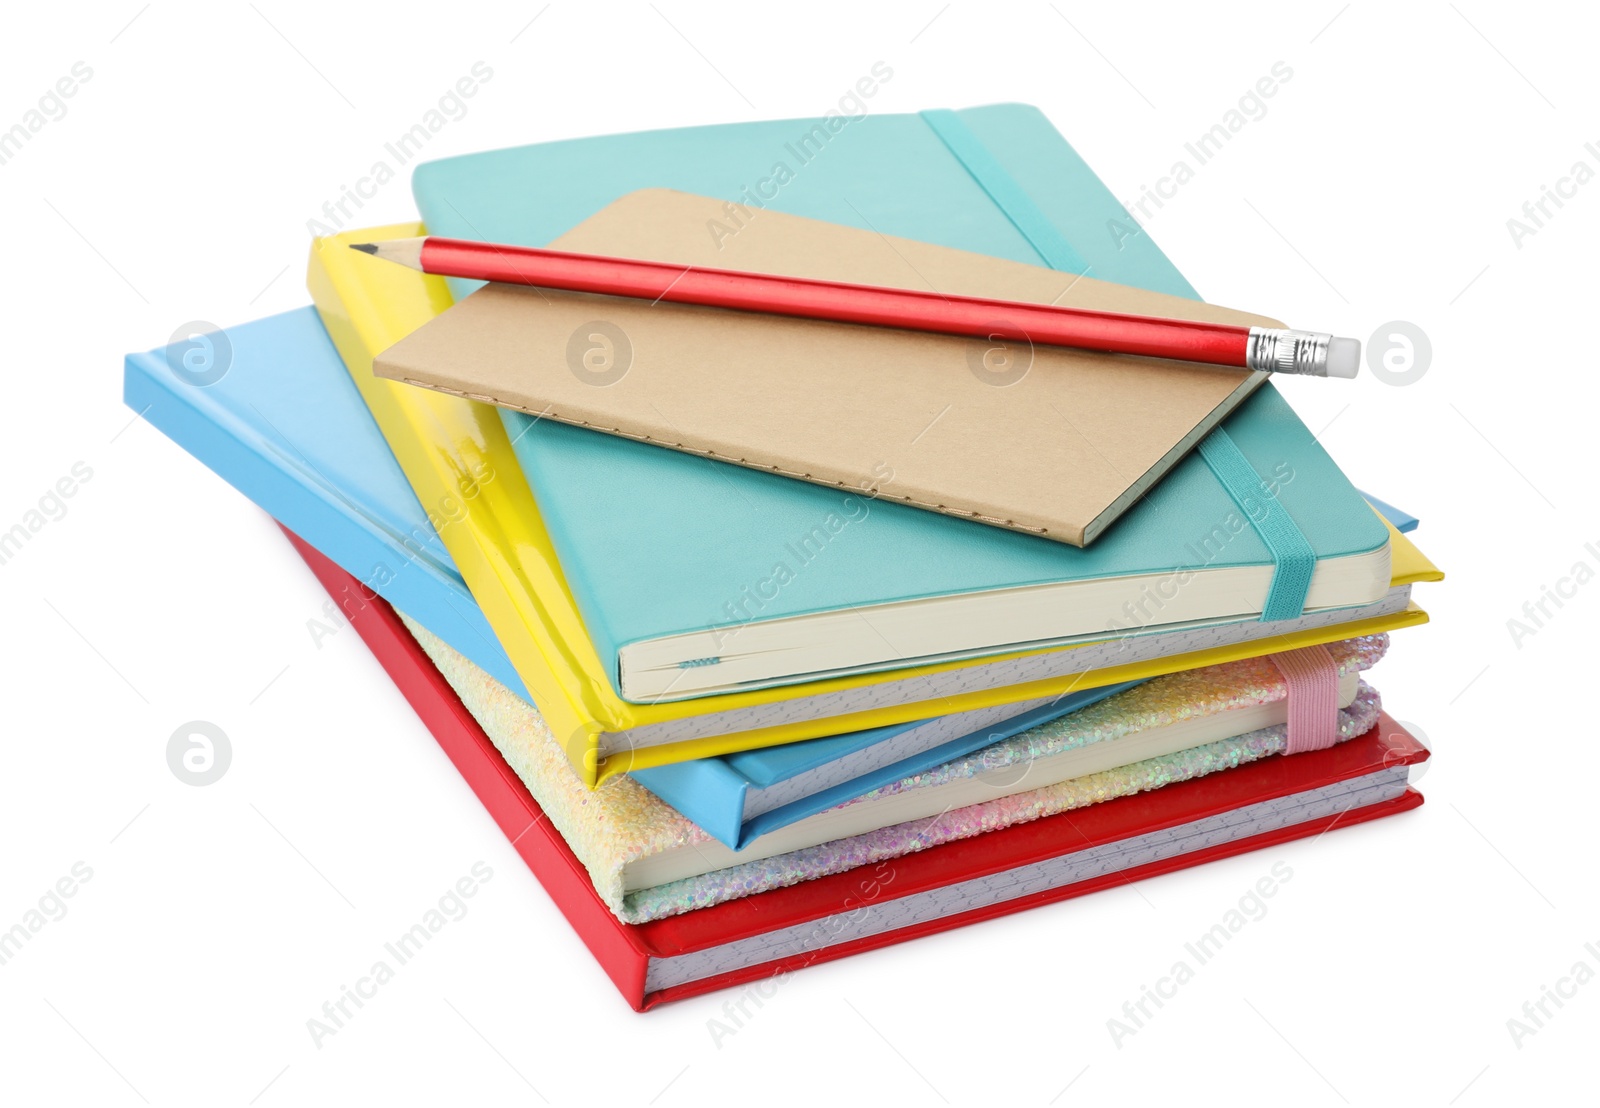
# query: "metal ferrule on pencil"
(1275, 350)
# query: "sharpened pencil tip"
(365, 247)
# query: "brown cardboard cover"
(1051, 441)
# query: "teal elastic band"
(1292, 556)
(1047, 241)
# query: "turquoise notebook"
(997, 180)
(696, 577)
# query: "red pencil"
(1264, 349)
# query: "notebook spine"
(361, 324)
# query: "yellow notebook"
(456, 455)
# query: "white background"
(218, 920)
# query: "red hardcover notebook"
(1226, 813)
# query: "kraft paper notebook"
(1260, 804)
(912, 416)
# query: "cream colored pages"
(1050, 441)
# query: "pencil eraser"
(1344, 357)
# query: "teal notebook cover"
(1025, 195)
(656, 543)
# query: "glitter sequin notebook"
(1258, 804)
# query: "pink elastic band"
(1311, 678)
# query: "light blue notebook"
(696, 577)
(284, 425)
(997, 180)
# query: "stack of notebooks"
(767, 642)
